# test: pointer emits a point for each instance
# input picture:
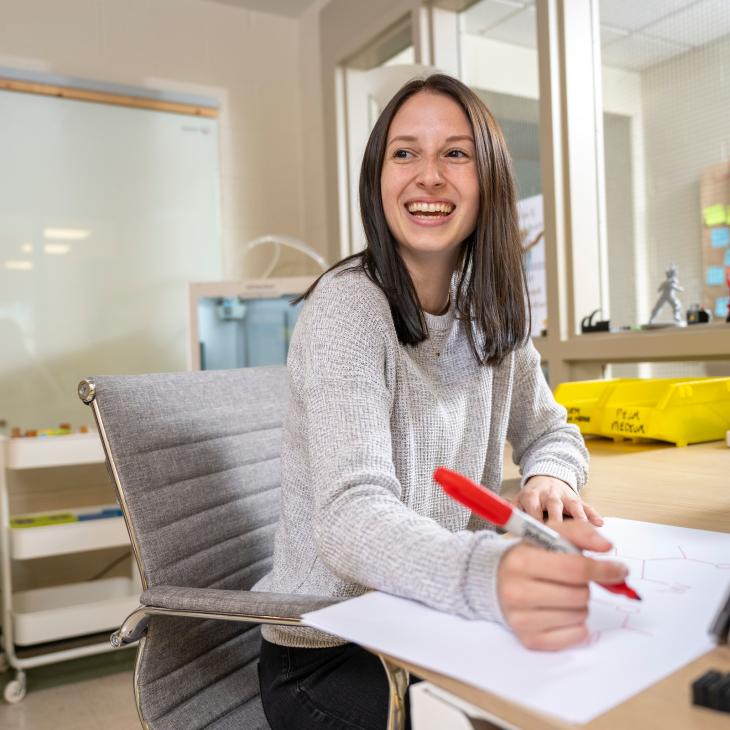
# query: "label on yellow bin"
(629, 421)
(578, 416)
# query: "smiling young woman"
(410, 355)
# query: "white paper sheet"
(681, 575)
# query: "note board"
(681, 574)
(715, 204)
(106, 213)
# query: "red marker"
(500, 512)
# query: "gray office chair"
(195, 458)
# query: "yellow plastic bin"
(581, 399)
(680, 410)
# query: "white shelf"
(75, 609)
(39, 452)
(71, 537)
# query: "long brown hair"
(491, 291)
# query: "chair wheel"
(14, 691)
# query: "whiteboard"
(106, 214)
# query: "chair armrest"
(283, 609)
(257, 606)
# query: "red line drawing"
(669, 586)
(631, 610)
(628, 611)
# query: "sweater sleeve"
(363, 531)
(543, 442)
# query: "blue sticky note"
(715, 276)
(727, 257)
(721, 307)
(720, 236)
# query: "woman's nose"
(430, 173)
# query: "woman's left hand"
(547, 494)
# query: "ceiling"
(635, 34)
(288, 8)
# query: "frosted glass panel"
(106, 214)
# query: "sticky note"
(721, 307)
(715, 276)
(720, 236)
(727, 257)
(715, 215)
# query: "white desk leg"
(435, 709)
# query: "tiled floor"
(93, 693)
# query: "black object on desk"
(720, 627)
(712, 690)
(588, 325)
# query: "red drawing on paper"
(625, 612)
(628, 613)
(668, 586)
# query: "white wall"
(313, 150)
(249, 61)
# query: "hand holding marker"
(500, 512)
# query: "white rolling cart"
(52, 614)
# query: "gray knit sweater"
(369, 419)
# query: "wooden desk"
(688, 487)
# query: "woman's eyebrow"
(411, 138)
(403, 138)
(459, 137)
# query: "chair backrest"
(196, 458)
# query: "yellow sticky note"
(715, 215)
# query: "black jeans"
(342, 688)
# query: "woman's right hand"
(544, 595)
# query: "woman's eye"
(401, 154)
(456, 153)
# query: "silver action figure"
(668, 289)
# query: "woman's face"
(429, 179)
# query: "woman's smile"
(430, 212)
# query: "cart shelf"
(70, 537)
(74, 609)
(40, 452)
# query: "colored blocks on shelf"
(60, 518)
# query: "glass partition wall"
(498, 59)
(664, 69)
(615, 114)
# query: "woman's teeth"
(429, 209)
